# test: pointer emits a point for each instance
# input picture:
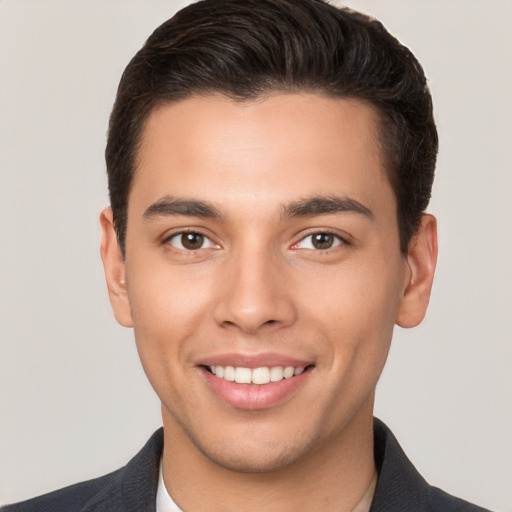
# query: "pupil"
(192, 241)
(323, 240)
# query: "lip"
(253, 397)
(253, 360)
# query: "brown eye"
(190, 241)
(322, 240)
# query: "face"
(262, 274)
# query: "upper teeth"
(262, 375)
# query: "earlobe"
(115, 271)
(421, 263)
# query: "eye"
(190, 241)
(320, 241)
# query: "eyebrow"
(169, 205)
(310, 207)
(325, 205)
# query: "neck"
(336, 476)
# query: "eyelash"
(180, 234)
(338, 241)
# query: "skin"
(258, 285)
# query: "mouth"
(256, 387)
(259, 376)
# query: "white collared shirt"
(164, 501)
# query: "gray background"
(74, 402)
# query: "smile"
(254, 382)
(260, 376)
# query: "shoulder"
(131, 488)
(73, 498)
(400, 488)
(442, 501)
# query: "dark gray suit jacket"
(400, 487)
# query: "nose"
(254, 293)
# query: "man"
(269, 167)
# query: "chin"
(253, 454)
(253, 460)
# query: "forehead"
(273, 149)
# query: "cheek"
(165, 297)
(164, 323)
(357, 306)
(167, 309)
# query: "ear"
(421, 262)
(115, 272)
